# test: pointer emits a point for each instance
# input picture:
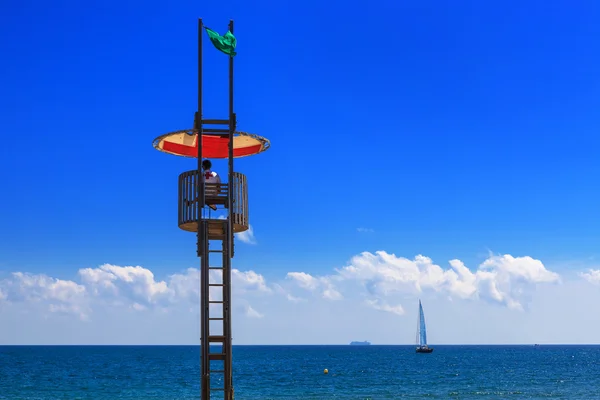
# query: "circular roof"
(185, 144)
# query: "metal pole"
(227, 281)
(204, 345)
(198, 128)
(232, 127)
(202, 238)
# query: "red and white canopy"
(185, 143)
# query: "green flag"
(225, 43)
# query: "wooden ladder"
(216, 357)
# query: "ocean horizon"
(307, 345)
(294, 372)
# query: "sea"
(297, 372)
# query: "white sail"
(422, 327)
(422, 346)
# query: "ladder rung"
(215, 268)
(215, 130)
(216, 319)
(215, 121)
(216, 356)
(215, 301)
(216, 338)
(218, 371)
(216, 284)
(215, 251)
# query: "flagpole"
(204, 328)
(198, 123)
(232, 127)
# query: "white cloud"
(59, 296)
(247, 236)
(504, 279)
(592, 276)
(382, 305)
(136, 284)
(186, 286)
(331, 293)
(282, 291)
(130, 287)
(252, 313)
(134, 301)
(379, 278)
(322, 284)
(304, 280)
(248, 280)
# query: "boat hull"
(424, 350)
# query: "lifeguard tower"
(213, 139)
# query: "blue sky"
(449, 130)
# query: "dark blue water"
(296, 372)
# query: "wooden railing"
(216, 195)
(239, 209)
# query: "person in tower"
(214, 188)
(210, 176)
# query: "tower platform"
(216, 195)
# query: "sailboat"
(422, 333)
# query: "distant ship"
(422, 333)
(365, 343)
